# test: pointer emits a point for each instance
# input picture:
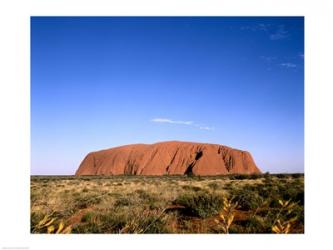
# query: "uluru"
(168, 158)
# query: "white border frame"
(15, 125)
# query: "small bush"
(297, 175)
(201, 204)
(266, 191)
(213, 185)
(144, 195)
(35, 218)
(228, 185)
(292, 192)
(254, 176)
(191, 188)
(87, 217)
(90, 227)
(239, 177)
(257, 224)
(113, 222)
(146, 221)
(147, 198)
(247, 200)
(123, 201)
(84, 202)
(115, 194)
(153, 224)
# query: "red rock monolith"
(168, 158)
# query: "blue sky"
(99, 82)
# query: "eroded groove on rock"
(198, 155)
(229, 162)
(189, 169)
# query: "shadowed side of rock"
(168, 158)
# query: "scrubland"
(168, 204)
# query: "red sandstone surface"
(168, 158)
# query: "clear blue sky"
(99, 82)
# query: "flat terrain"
(168, 204)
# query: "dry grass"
(137, 204)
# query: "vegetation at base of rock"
(200, 204)
(168, 204)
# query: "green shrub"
(254, 176)
(247, 199)
(90, 227)
(235, 228)
(228, 186)
(253, 224)
(154, 224)
(191, 188)
(201, 204)
(239, 177)
(124, 201)
(35, 218)
(146, 222)
(267, 191)
(113, 222)
(144, 195)
(297, 175)
(292, 192)
(147, 198)
(87, 217)
(143, 221)
(257, 224)
(282, 176)
(86, 201)
(213, 185)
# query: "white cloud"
(256, 27)
(268, 59)
(288, 65)
(206, 128)
(279, 34)
(188, 123)
(165, 120)
(275, 32)
(264, 27)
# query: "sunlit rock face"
(168, 158)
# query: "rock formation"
(168, 158)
